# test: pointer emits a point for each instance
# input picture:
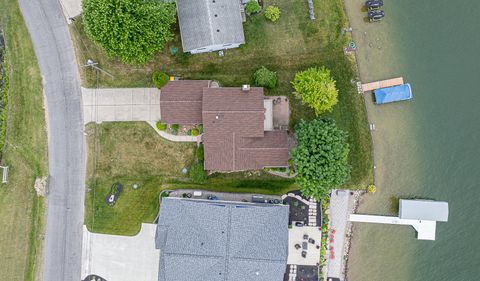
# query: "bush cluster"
(265, 78)
(159, 79)
(161, 126)
(252, 7)
(272, 13)
(132, 30)
(321, 157)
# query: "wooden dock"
(382, 84)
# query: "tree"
(252, 7)
(272, 13)
(321, 157)
(316, 88)
(265, 78)
(159, 78)
(132, 30)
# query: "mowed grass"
(21, 211)
(133, 153)
(291, 44)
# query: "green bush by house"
(252, 7)
(272, 13)
(161, 126)
(265, 78)
(321, 157)
(159, 79)
(132, 30)
(316, 88)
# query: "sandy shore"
(363, 39)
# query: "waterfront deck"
(425, 229)
(382, 84)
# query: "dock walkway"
(425, 229)
(382, 84)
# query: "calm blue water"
(427, 148)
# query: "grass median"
(22, 211)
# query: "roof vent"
(246, 88)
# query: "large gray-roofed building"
(210, 25)
(423, 210)
(225, 241)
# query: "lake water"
(425, 148)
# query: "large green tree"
(132, 30)
(316, 88)
(321, 157)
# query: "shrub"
(272, 13)
(194, 132)
(161, 126)
(200, 128)
(174, 127)
(316, 88)
(265, 78)
(252, 7)
(321, 157)
(159, 79)
(199, 153)
(132, 30)
(371, 188)
(197, 173)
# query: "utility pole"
(92, 64)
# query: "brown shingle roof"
(181, 101)
(234, 137)
(233, 121)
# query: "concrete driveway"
(121, 258)
(122, 104)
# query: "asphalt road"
(66, 142)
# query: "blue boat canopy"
(393, 94)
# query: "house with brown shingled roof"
(238, 134)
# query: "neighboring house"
(210, 25)
(221, 241)
(238, 127)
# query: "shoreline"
(348, 6)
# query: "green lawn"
(133, 153)
(291, 44)
(22, 212)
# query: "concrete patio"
(295, 236)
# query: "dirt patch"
(41, 186)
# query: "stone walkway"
(339, 212)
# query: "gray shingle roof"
(224, 241)
(209, 22)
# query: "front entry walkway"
(122, 104)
